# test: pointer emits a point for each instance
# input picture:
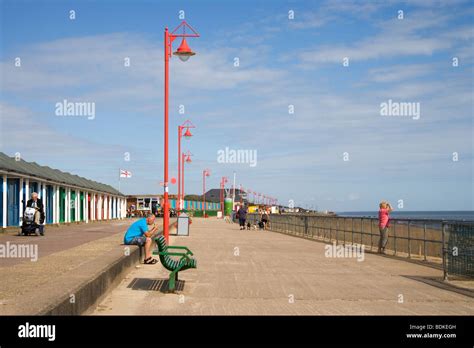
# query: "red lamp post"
(205, 172)
(187, 135)
(183, 52)
(185, 157)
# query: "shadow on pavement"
(148, 284)
(439, 283)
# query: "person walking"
(242, 215)
(264, 218)
(384, 223)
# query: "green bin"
(228, 206)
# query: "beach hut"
(66, 197)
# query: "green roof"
(10, 164)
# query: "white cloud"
(400, 72)
(411, 36)
(22, 131)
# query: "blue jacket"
(242, 213)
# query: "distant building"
(66, 197)
(144, 202)
(213, 195)
(152, 202)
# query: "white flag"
(125, 174)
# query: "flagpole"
(233, 194)
(119, 180)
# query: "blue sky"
(282, 62)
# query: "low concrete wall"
(89, 292)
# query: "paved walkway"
(63, 237)
(68, 256)
(262, 272)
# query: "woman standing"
(384, 224)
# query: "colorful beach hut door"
(62, 205)
(81, 207)
(89, 212)
(73, 206)
(33, 187)
(13, 202)
(49, 204)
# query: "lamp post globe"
(184, 52)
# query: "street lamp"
(187, 135)
(183, 52)
(205, 172)
(185, 157)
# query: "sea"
(452, 215)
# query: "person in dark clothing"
(242, 215)
(264, 218)
(36, 203)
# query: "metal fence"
(459, 253)
(449, 243)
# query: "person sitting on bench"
(141, 233)
(36, 203)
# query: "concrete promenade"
(267, 273)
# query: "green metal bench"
(172, 265)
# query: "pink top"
(384, 219)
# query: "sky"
(306, 96)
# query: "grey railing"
(449, 243)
